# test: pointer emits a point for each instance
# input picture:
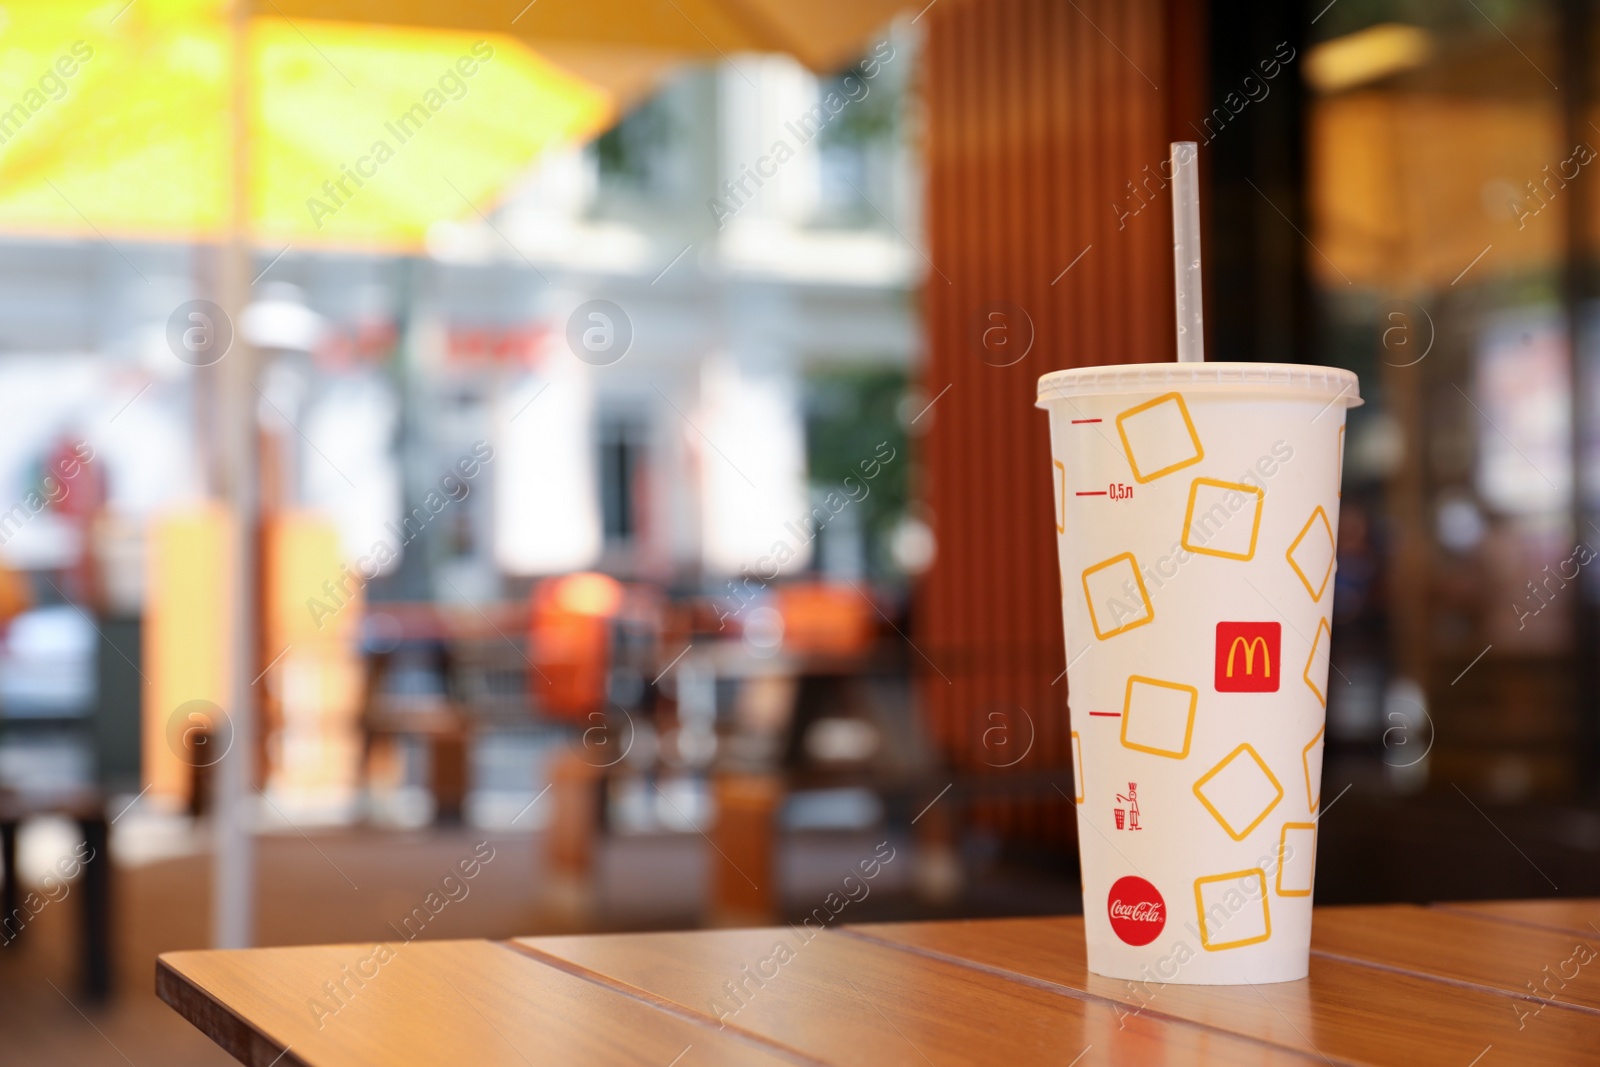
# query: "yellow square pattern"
(1300, 829)
(1243, 751)
(1319, 647)
(1313, 793)
(1200, 907)
(1189, 691)
(1144, 596)
(1315, 540)
(1195, 489)
(1175, 400)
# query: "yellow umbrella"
(202, 120)
(823, 34)
(115, 119)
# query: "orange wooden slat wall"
(1039, 115)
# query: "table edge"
(227, 1029)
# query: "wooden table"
(1391, 984)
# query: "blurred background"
(599, 437)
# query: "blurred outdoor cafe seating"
(792, 710)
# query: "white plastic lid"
(1257, 379)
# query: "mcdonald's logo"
(1248, 659)
(1250, 656)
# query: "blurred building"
(609, 370)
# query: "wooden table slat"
(1552, 965)
(466, 1002)
(1580, 915)
(843, 999)
(1344, 1012)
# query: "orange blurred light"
(588, 593)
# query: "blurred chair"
(817, 733)
(745, 835)
(87, 808)
(595, 645)
(47, 676)
(570, 640)
(408, 697)
(446, 677)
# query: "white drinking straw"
(1186, 251)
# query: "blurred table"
(1389, 984)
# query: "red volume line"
(1108, 714)
(1080, 422)
(1100, 493)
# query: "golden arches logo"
(1250, 656)
(1261, 641)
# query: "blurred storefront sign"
(471, 346)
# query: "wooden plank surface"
(1579, 915)
(841, 999)
(438, 1002)
(1541, 964)
(1344, 1012)
(1388, 984)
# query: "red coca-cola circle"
(1137, 912)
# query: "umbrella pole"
(233, 850)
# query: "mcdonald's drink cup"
(1196, 511)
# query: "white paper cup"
(1196, 510)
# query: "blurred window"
(855, 421)
(857, 147)
(634, 156)
(622, 450)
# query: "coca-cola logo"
(1137, 912)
